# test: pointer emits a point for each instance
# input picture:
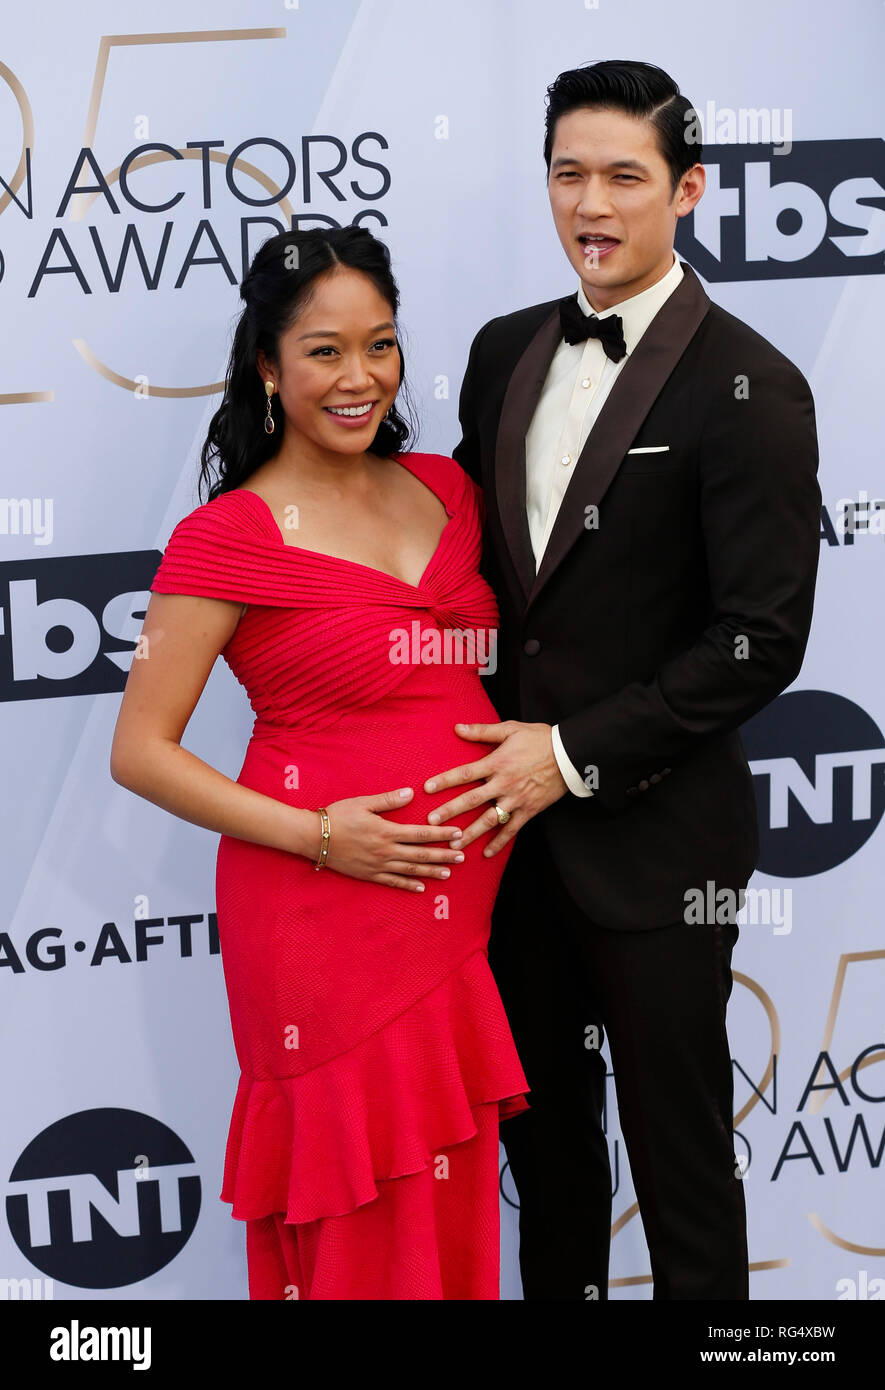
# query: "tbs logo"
(68, 626)
(772, 215)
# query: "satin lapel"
(630, 399)
(517, 409)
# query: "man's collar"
(638, 311)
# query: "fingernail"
(430, 786)
(459, 858)
(419, 888)
(433, 818)
(404, 791)
(445, 873)
(455, 833)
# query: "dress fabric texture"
(376, 1058)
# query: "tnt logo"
(819, 766)
(771, 215)
(68, 626)
(103, 1198)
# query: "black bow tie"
(577, 327)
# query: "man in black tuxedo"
(652, 528)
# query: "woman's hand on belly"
(362, 844)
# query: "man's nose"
(595, 200)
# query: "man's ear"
(691, 189)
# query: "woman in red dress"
(338, 577)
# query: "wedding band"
(503, 816)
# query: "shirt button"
(532, 646)
(566, 459)
(643, 785)
(586, 381)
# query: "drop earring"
(268, 419)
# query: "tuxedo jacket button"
(532, 646)
(655, 777)
(643, 785)
(665, 770)
(632, 791)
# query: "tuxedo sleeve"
(467, 451)
(759, 512)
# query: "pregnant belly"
(401, 742)
(334, 955)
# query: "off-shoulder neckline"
(269, 517)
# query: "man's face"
(612, 202)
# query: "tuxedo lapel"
(517, 409)
(630, 399)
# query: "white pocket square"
(651, 449)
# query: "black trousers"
(660, 996)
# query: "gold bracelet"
(324, 842)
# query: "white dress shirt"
(577, 385)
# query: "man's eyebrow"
(332, 333)
(562, 160)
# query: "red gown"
(375, 1053)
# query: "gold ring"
(503, 816)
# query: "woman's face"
(339, 366)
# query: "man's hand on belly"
(521, 775)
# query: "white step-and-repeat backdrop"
(424, 122)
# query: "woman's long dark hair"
(279, 284)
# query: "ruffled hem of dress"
(317, 1144)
